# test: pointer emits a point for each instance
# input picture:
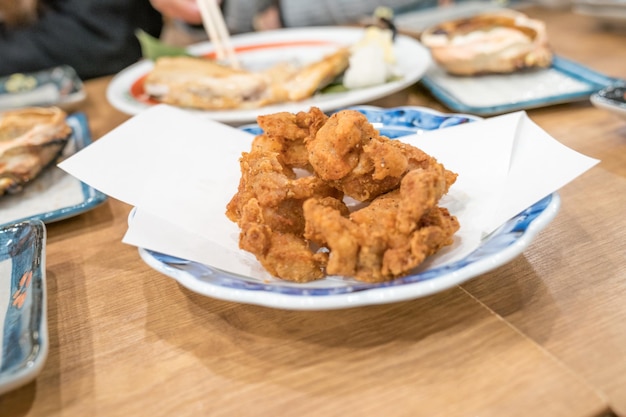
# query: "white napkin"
(180, 171)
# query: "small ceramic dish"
(59, 86)
(612, 98)
(23, 323)
(503, 245)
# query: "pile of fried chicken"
(291, 203)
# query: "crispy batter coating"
(280, 194)
(286, 132)
(351, 155)
(389, 237)
(285, 219)
(285, 255)
(268, 209)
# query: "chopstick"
(214, 24)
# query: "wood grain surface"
(543, 335)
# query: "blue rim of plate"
(24, 341)
(399, 121)
(91, 197)
(594, 80)
(496, 249)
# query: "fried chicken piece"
(389, 237)
(265, 178)
(268, 210)
(351, 155)
(300, 229)
(285, 134)
(284, 255)
(434, 231)
(417, 158)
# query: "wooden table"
(544, 335)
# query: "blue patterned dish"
(564, 82)
(400, 121)
(54, 195)
(23, 326)
(336, 292)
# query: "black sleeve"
(95, 37)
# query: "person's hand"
(186, 10)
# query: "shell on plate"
(500, 42)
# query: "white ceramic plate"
(565, 81)
(261, 49)
(54, 195)
(23, 324)
(337, 292)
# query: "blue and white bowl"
(498, 248)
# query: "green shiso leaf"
(334, 88)
(152, 48)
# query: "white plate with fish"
(496, 249)
(298, 45)
(54, 195)
(23, 322)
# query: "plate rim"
(369, 296)
(117, 92)
(594, 80)
(34, 362)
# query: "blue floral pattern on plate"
(496, 249)
(400, 121)
(23, 326)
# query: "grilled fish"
(204, 84)
(30, 139)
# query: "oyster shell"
(499, 42)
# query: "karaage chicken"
(268, 210)
(285, 133)
(350, 154)
(390, 236)
(299, 227)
